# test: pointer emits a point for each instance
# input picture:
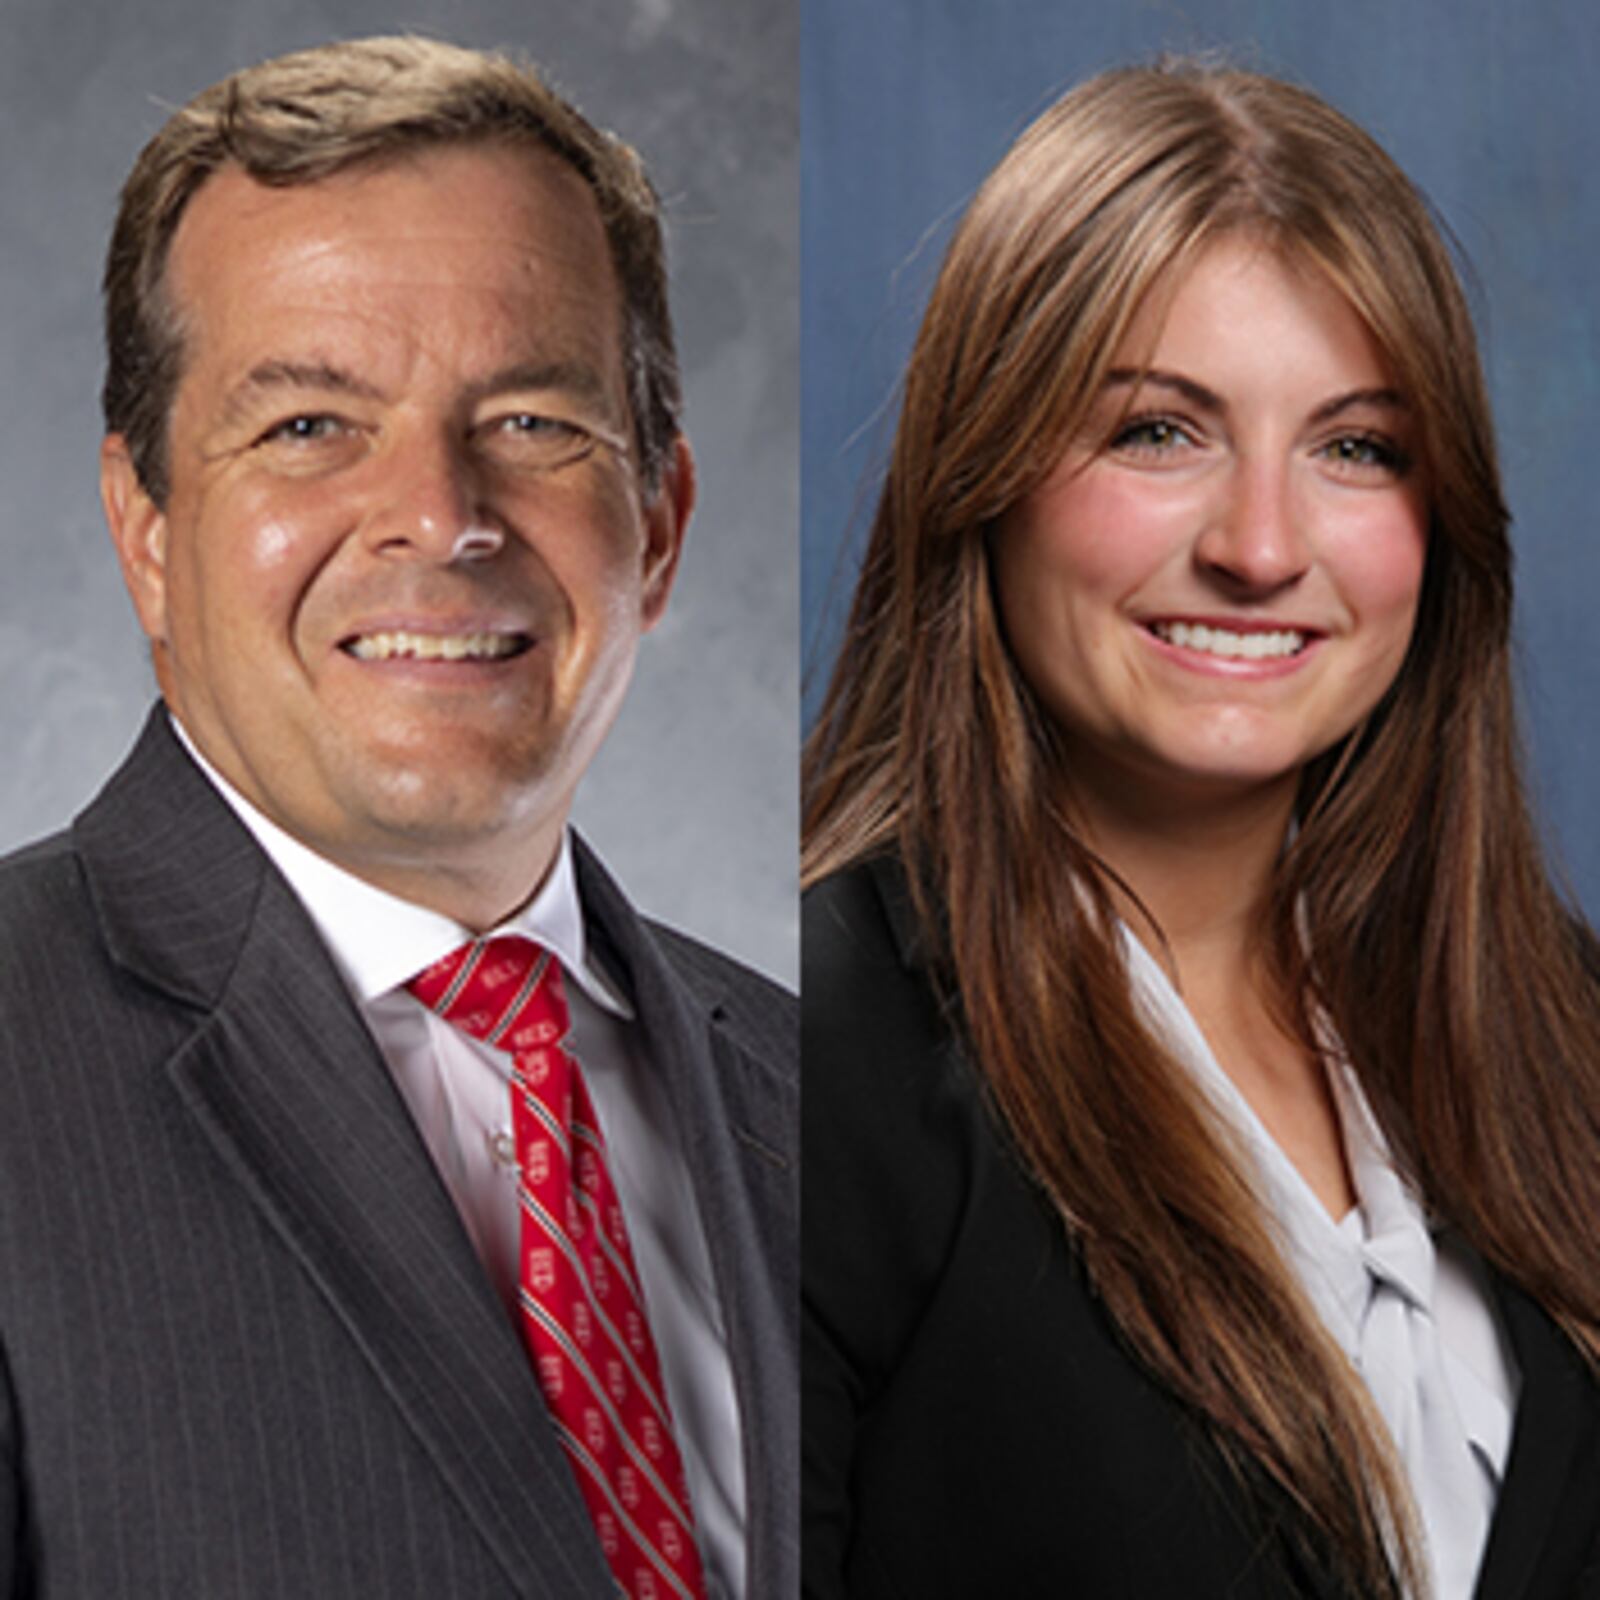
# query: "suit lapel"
(735, 1115)
(1548, 1513)
(1549, 1507)
(289, 1089)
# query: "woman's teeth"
(1224, 642)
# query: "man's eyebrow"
(578, 379)
(301, 376)
(1198, 395)
(575, 378)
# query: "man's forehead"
(435, 200)
(509, 238)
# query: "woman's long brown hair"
(1413, 907)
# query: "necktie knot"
(505, 991)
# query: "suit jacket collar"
(283, 1078)
(173, 875)
(1549, 1507)
(1549, 1504)
(725, 1078)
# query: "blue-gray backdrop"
(1494, 109)
(693, 798)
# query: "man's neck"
(477, 888)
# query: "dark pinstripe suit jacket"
(247, 1347)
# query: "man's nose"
(432, 506)
(1254, 540)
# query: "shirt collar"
(378, 941)
(1386, 1239)
(1329, 1257)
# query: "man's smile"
(407, 645)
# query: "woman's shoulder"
(860, 918)
(893, 1127)
(871, 1011)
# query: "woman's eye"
(1151, 436)
(1368, 452)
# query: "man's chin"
(424, 811)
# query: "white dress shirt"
(458, 1090)
(1409, 1306)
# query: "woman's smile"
(1219, 579)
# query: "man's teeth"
(1224, 642)
(434, 646)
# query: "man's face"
(399, 581)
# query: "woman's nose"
(1254, 541)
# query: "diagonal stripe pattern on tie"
(583, 1314)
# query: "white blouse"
(1409, 1305)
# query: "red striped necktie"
(582, 1308)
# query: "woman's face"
(1219, 579)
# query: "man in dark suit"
(394, 473)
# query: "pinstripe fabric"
(219, 1376)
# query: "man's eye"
(532, 422)
(540, 442)
(309, 429)
(532, 426)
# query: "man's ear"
(666, 517)
(139, 531)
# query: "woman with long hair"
(1202, 1079)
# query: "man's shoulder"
(715, 973)
(49, 937)
(762, 1013)
(41, 885)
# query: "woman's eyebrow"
(1198, 395)
(1385, 398)
(1195, 393)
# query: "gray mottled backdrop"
(693, 799)
(1493, 108)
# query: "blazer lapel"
(735, 1113)
(285, 1081)
(1549, 1509)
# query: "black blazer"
(246, 1347)
(972, 1425)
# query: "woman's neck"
(1201, 867)
(1199, 863)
